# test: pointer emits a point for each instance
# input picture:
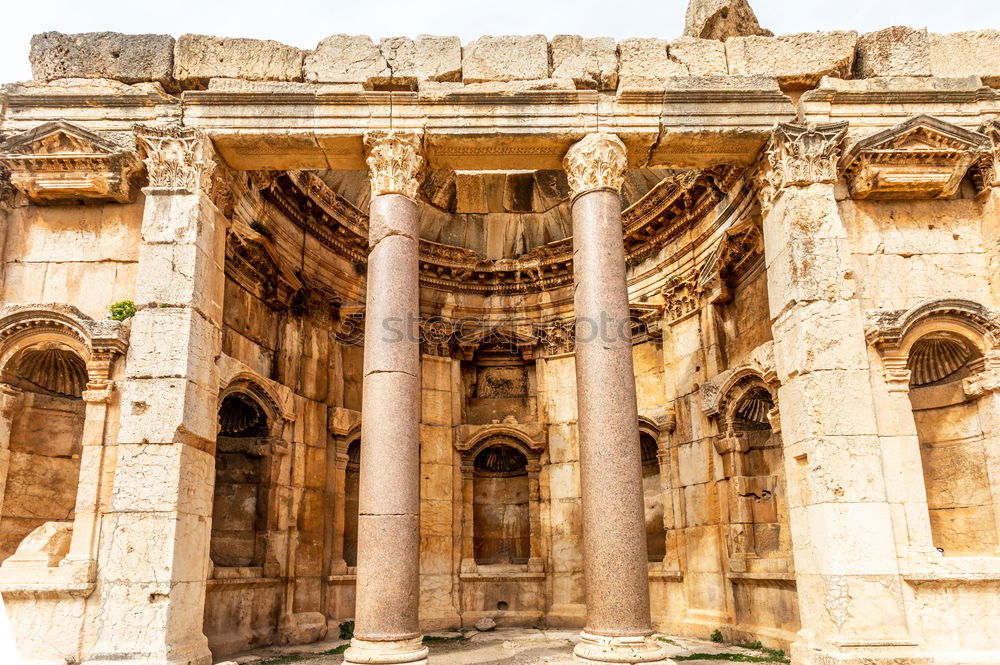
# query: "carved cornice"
(597, 161)
(664, 213)
(103, 338)
(886, 328)
(59, 162)
(718, 393)
(252, 262)
(394, 162)
(176, 157)
(799, 155)
(922, 158)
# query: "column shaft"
(614, 531)
(388, 583)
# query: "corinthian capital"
(176, 157)
(595, 162)
(800, 155)
(6, 190)
(990, 169)
(394, 162)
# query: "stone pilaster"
(989, 176)
(6, 204)
(10, 402)
(618, 627)
(851, 595)
(154, 558)
(388, 580)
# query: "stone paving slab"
(506, 647)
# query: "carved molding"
(721, 392)
(58, 162)
(886, 328)
(98, 336)
(7, 190)
(682, 296)
(597, 161)
(253, 262)
(530, 438)
(557, 337)
(176, 157)
(799, 155)
(394, 162)
(922, 158)
(986, 376)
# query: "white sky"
(303, 23)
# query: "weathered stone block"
(506, 58)
(702, 57)
(346, 59)
(895, 51)
(429, 58)
(198, 58)
(797, 61)
(644, 61)
(973, 53)
(719, 19)
(110, 55)
(591, 63)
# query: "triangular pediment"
(59, 138)
(922, 133)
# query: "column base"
(597, 649)
(363, 652)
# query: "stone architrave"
(851, 593)
(388, 572)
(154, 560)
(618, 627)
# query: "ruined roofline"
(503, 64)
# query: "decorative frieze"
(59, 162)
(394, 161)
(597, 161)
(799, 155)
(557, 337)
(682, 296)
(176, 157)
(922, 158)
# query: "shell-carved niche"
(937, 357)
(53, 370)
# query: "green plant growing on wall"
(346, 630)
(716, 635)
(123, 310)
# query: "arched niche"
(352, 484)
(652, 492)
(501, 497)
(944, 356)
(247, 444)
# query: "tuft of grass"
(346, 630)
(336, 650)
(122, 310)
(283, 660)
(666, 640)
(261, 228)
(437, 639)
(729, 657)
(716, 635)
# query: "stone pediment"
(922, 158)
(59, 162)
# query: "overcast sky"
(303, 23)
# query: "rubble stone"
(108, 55)
(506, 58)
(721, 19)
(198, 58)
(591, 63)
(798, 61)
(895, 51)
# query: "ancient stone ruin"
(682, 336)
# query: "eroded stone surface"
(895, 51)
(591, 63)
(799, 60)
(505, 58)
(110, 55)
(198, 58)
(721, 19)
(973, 53)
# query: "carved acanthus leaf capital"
(990, 169)
(597, 161)
(394, 162)
(176, 157)
(800, 155)
(6, 190)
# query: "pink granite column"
(618, 625)
(388, 585)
